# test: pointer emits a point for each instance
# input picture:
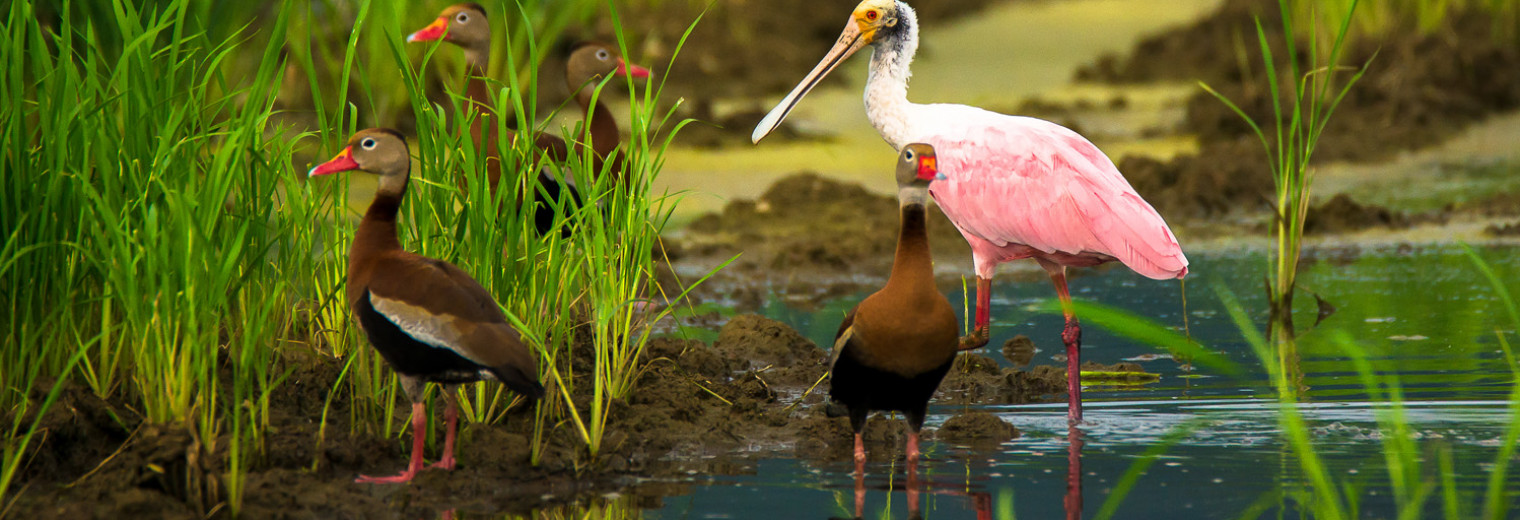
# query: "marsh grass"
(1302, 102)
(1307, 485)
(164, 249)
(137, 184)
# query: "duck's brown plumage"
(895, 346)
(430, 320)
(586, 65)
(465, 25)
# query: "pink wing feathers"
(1034, 188)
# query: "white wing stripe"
(431, 329)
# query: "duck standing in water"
(430, 321)
(895, 347)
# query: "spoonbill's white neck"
(887, 82)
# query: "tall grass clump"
(1304, 96)
(138, 179)
(577, 298)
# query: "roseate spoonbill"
(1015, 187)
(894, 347)
(430, 321)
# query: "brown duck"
(430, 321)
(465, 26)
(588, 63)
(895, 346)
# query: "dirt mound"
(977, 379)
(763, 342)
(1507, 230)
(1019, 350)
(1419, 90)
(807, 239)
(1341, 214)
(977, 427)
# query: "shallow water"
(1424, 315)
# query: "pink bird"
(1016, 187)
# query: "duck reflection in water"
(914, 488)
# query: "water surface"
(1424, 315)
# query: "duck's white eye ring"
(463, 18)
(368, 143)
(908, 156)
(603, 55)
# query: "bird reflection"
(981, 502)
(1073, 473)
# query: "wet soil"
(808, 239)
(697, 407)
(1419, 89)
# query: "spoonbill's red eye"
(871, 15)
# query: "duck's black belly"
(410, 357)
(864, 389)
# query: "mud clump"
(977, 379)
(1341, 214)
(977, 427)
(760, 343)
(1019, 350)
(807, 239)
(1507, 230)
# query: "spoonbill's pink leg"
(981, 333)
(1072, 337)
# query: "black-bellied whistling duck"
(587, 64)
(895, 346)
(429, 320)
(465, 25)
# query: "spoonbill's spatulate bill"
(430, 321)
(1015, 187)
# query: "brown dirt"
(1019, 350)
(1507, 230)
(977, 427)
(693, 408)
(808, 239)
(1420, 90)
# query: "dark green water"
(1425, 315)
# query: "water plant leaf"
(1147, 332)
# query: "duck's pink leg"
(451, 425)
(419, 437)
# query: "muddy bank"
(807, 239)
(1419, 90)
(698, 408)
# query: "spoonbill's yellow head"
(870, 21)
